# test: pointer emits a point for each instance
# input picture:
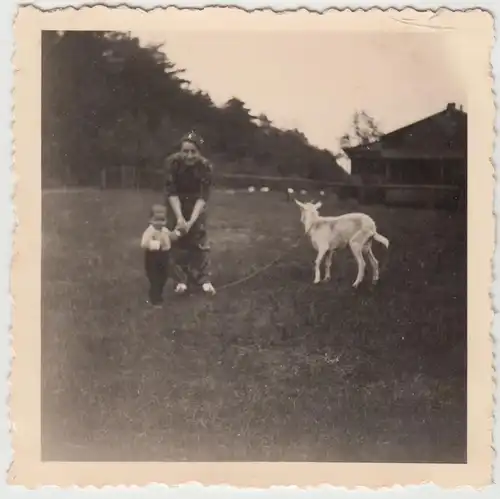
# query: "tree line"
(108, 100)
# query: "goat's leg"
(328, 265)
(356, 249)
(317, 263)
(367, 250)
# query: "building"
(431, 152)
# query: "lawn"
(273, 369)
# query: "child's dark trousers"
(157, 270)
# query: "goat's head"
(308, 212)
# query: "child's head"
(191, 147)
(158, 216)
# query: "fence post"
(122, 176)
(103, 178)
(137, 178)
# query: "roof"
(443, 135)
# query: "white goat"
(356, 230)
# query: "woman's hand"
(182, 225)
(199, 206)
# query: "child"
(156, 243)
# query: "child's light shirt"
(163, 236)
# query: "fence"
(427, 196)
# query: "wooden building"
(429, 155)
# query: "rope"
(255, 273)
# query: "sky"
(315, 81)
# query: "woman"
(188, 180)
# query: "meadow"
(271, 369)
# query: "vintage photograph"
(185, 316)
(254, 245)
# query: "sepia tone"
(378, 375)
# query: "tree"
(363, 130)
(109, 101)
(236, 127)
(102, 94)
(264, 123)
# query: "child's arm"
(174, 235)
(146, 238)
(204, 192)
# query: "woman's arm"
(205, 187)
(171, 189)
(175, 203)
(197, 209)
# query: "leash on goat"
(278, 259)
(260, 270)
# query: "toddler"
(156, 243)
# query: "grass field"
(273, 369)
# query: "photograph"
(254, 243)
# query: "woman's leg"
(178, 266)
(178, 260)
(198, 266)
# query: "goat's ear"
(318, 205)
(298, 202)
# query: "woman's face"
(190, 152)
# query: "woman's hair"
(194, 138)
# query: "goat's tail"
(381, 239)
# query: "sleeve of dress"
(206, 181)
(146, 238)
(170, 167)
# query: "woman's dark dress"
(190, 183)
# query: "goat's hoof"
(355, 285)
(316, 281)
